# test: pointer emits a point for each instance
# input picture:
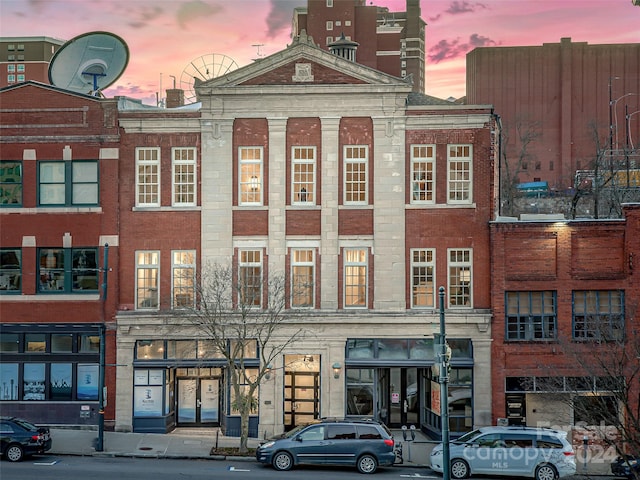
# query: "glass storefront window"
(181, 349)
(392, 349)
(61, 382)
(360, 391)
(35, 342)
(150, 349)
(33, 381)
(62, 343)
(250, 348)
(9, 342)
(8, 381)
(421, 349)
(88, 378)
(360, 348)
(89, 344)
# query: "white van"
(540, 453)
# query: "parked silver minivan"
(540, 453)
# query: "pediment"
(303, 63)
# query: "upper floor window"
(329, 25)
(67, 270)
(147, 279)
(11, 78)
(423, 278)
(20, 47)
(355, 277)
(68, 183)
(184, 176)
(329, 40)
(531, 315)
(21, 67)
(148, 177)
(21, 77)
(329, 3)
(302, 278)
(250, 278)
(10, 270)
(11, 68)
(459, 158)
(460, 277)
(250, 164)
(303, 175)
(183, 278)
(10, 184)
(423, 164)
(356, 158)
(598, 315)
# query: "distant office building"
(26, 58)
(571, 94)
(392, 42)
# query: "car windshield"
(467, 437)
(24, 424)
(297, 429)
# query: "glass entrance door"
(198, 401)
(301, 398)
(403, 396)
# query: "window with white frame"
(184, 176)
(21, 67)
(11, 78)
(183, 278)
(250, 278)
(303, 175)
(11, 68)
(423, 268)
(423, 164)
(329, 3)
(68, 183)
(329, 40)
(329, 25)
(355, 174)
(250, 168)
(460, 276)
(302, 278)
(147, 280)
(148, 177)
(598, 315)
(355, 277)
(459, 175)
(21, 77)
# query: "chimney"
(175, 98)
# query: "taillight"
(388, 442)
(568, 454)
(35, 438)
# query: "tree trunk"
(244, 429)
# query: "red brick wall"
(303, 222)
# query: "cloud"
(280, 15)
(194, 10)
(457, 7)
(450, 49)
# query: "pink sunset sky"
(164, 36)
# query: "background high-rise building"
(26, 58)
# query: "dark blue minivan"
(365, 444)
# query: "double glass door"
(399, 396)
(301, 398)
(198, 401)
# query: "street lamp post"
(443, 377)
(102, 401)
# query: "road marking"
(234, 469)
(417, 475)
(46, 463)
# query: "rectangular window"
(148, 177)
(10, 184)
(302, 278)
(459, 159)
(9, 381)
(250, 164)
(531, 316)
(10, 270)
(11, 68)
(355, 174)
(35, 343)
(598, 315)
(355, 278)
(329, 4)
(422, 278)
(184, 176)
(250, 278)
(329, 40)
(147, 280)
(21, 67)
(303, 165)
(329, 25)
(460, 276)
(61, 381)
(11, 78)
(183, 278)
(68, 183)
(68, 270)
(423, 163)
(21, 77)
(61, 343)
(33, 382)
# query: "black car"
(20, 438)
(626, 466)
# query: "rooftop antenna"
(202, 69)
(258, 54)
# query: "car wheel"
(14, 453)
(546, 472)
(367, 464)
(282, 461)
(459, 469)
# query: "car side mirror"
(299, 438)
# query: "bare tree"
(525, 132)
(602, 391)
(239, 311)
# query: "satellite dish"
(89, 63)
(202, 69)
